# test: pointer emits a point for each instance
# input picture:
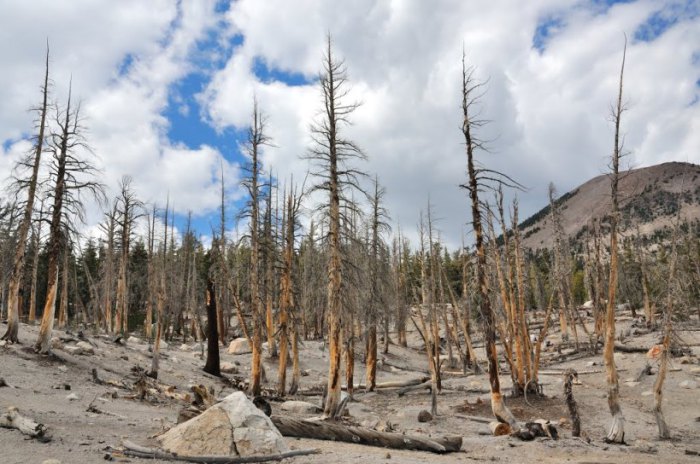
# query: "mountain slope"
(649, 199)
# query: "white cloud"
(548, 107)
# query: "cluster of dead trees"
(340, 278)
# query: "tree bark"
(212, 366)
(11, 334)
(325, 430)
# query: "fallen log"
(419, 386)
(391, 384)
(12, 419)
(630, 349)
(323, 430)
(134, 450)
(499, 428)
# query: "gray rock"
(134, 340)
(300, 407)
(86, 347)
(51, 461)
(234, 427)
(239, 346)
(74, 350)
(228, 368)
(56, 343)
(72, 397)
(689, 384)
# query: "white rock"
(134, 340)
(228, 368)
(300, 407)
(185, 347)
(647, 393)
(74, 350)
(239, 346)
(63, 368)
(164, 345)
(632, 384)
(72, 397)
(86, 347)
(3, 342)
(233, 427)
(51, 461)
(689, 384)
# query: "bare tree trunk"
(63, 305)
(11, 334)
(212, 365)
(67, 132)
(617, 429)
(498, 407)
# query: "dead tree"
(71, 173)
(36, 244)
(616, 434)
(477, 177)
(129, 209)
(160, 296)
(374, 301)
(255, 141)
(212, 366)
(269, 251)
(331, 155)
(33, 162)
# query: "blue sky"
(167, 88)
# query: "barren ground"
(37, 385)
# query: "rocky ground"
(88, 419)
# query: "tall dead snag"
(616, 434)
(128, 209)
(477, 176)
(255, 141)
(212, 366)
(374, 303)
(71, 174)
(561, 267)
(36, 244)
(160, 296)
(269, 260)
(32, 162)
(331, 154)
(109, 229)
(664, 431)
(288, 327)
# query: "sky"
(166, 90)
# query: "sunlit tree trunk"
(616, 434)
(11, 334)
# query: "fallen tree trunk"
(323, 430)
(630, 349)
(419, 386)
(391, 384)
(12, 419)
(134, 450)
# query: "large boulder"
(239, 346)
(233, 427)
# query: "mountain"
(649, 200)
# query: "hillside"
(649, 199)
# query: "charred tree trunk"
(212, 366)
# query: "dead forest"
(319, 308)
